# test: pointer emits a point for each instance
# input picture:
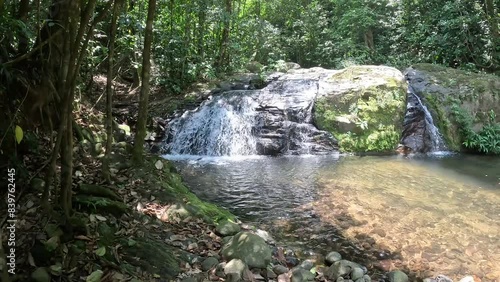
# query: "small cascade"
(275, 120)
(419, 133)
(221, 126)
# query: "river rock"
(362, 106)
(227, 228)
(219, 270)
(307, 265)
(234, 270)
(208, 263)
(280, 269)
(397, 276)
(357, 273)
(302, 275)
(248, 247)
(444, 90)
(332, 257)
(341, 268)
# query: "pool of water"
(426, 215)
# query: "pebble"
(332, 257)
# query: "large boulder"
(363, 107)
(460, 102)
(249, 248)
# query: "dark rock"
(292, 261)
(209, 263)
(280, 269)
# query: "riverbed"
(426, 215)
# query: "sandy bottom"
(432, 221)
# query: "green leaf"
(95, 276)
(101, 251)
(19, 134)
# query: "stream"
(428, 215)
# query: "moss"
(474, 94)
(365, 120)
(174, 190)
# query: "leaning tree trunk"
(144, 95)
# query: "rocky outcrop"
(450, 95)
(363, 107)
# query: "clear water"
(430, 215)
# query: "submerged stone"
(397, 276)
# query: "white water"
(222, 126)
(438, 144)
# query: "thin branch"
(34, 50)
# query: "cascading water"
(222, 126)
(275, 120)
(420, 134)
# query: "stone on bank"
(249, 248)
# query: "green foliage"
(487, 140)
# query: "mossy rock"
(364, 108)
(446, 90)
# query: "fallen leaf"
(101, 218)
(101, 251)
(94, 276)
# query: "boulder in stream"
(363, 107)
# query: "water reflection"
(428, 215)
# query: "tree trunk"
(495, 36)
(369, 40)
(144, 95)
(223, 57)
(109, 92)
(24, 8)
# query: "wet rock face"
(415, 135)
(444, 91)
(275, 120)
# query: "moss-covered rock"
(459, 101)
(363, 107)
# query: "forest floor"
(143, 226)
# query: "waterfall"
(275, 120)
(221, 126)
(419, 133)
(436, 138)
